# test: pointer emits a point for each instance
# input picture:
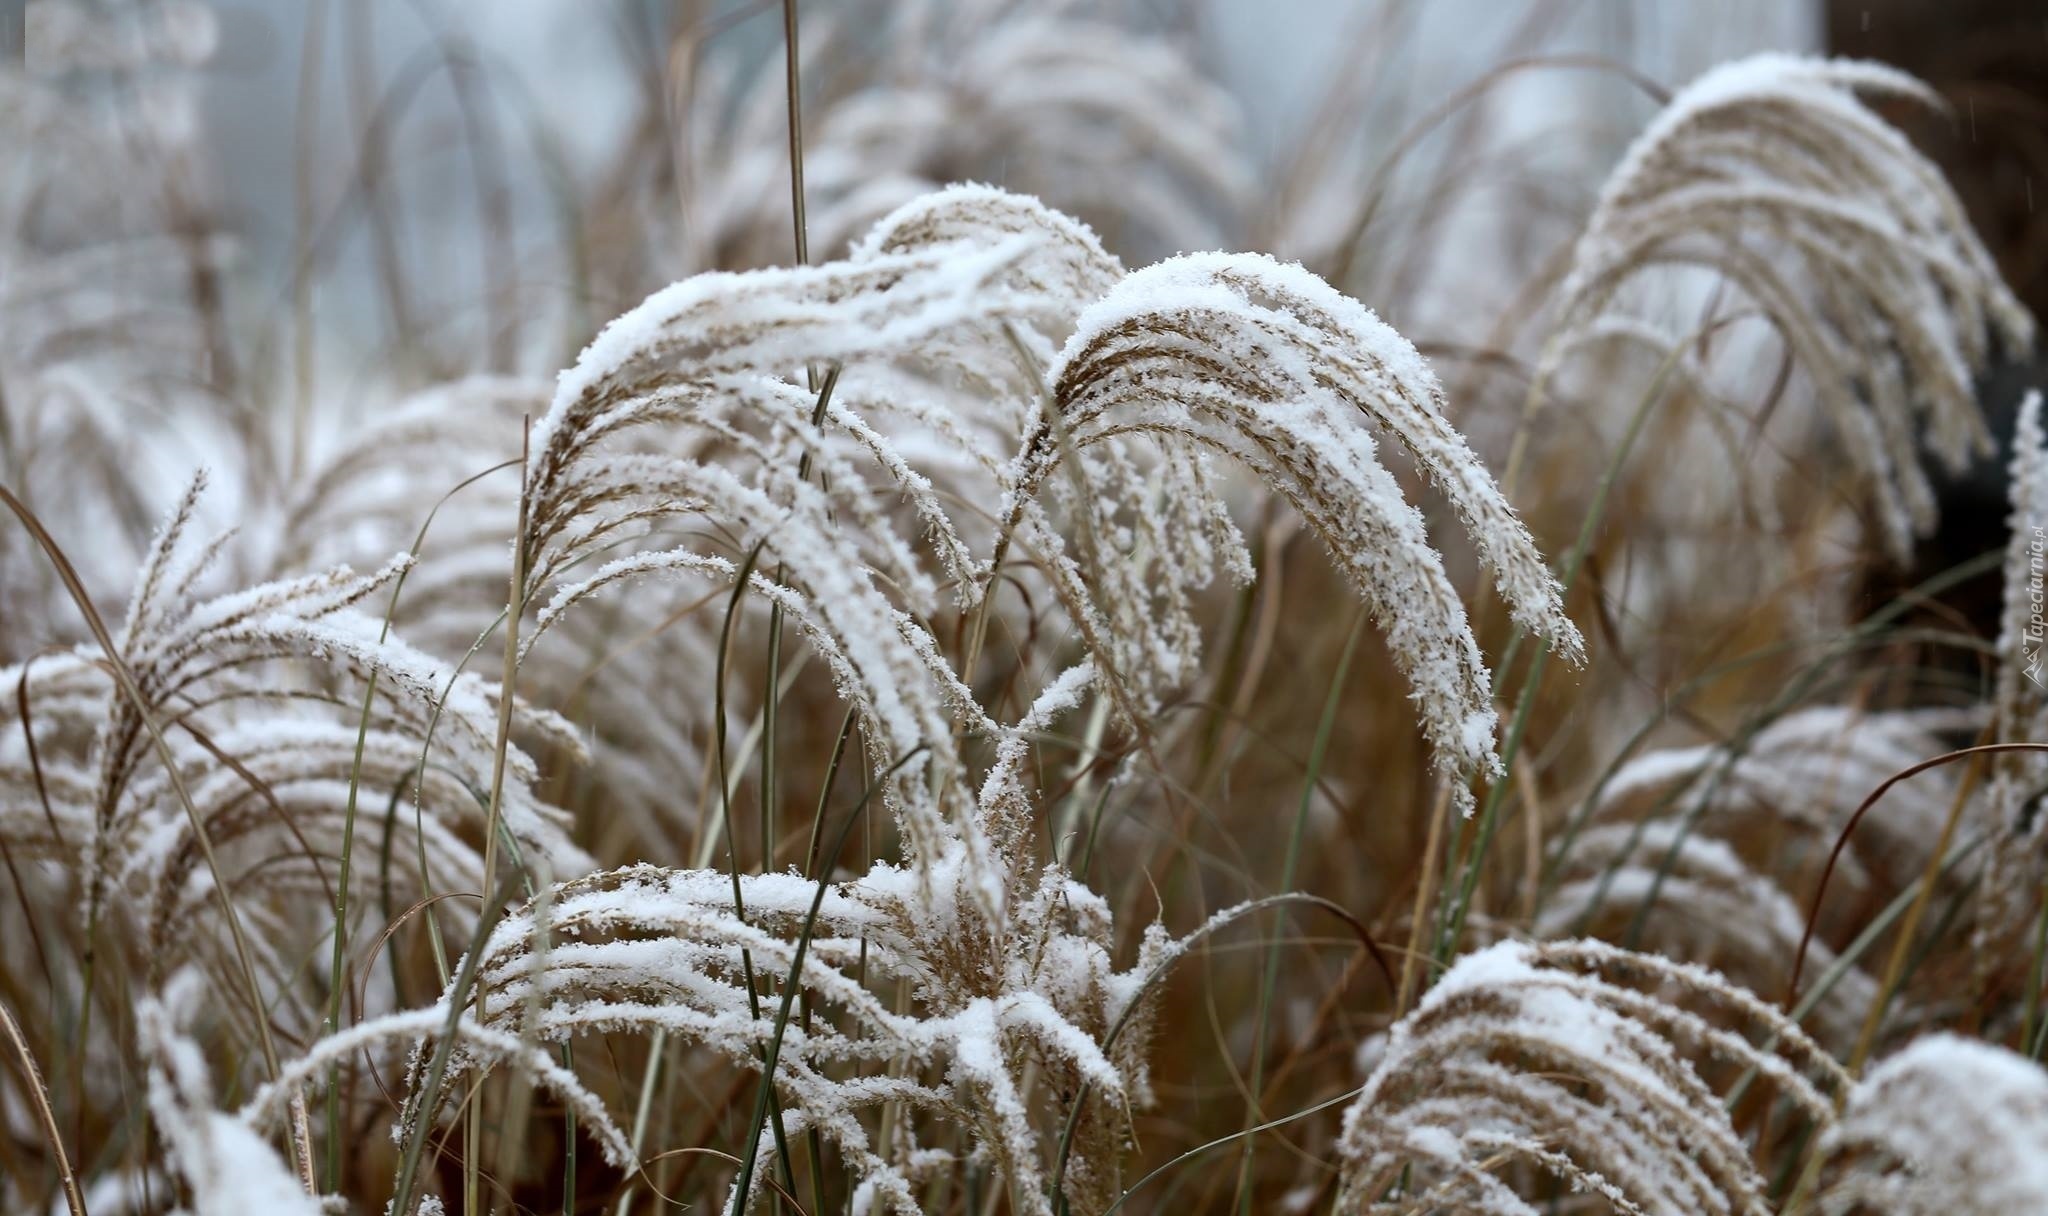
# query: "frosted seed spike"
(1772, 171)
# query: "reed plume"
(1771, 173)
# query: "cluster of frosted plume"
(1946, 1125)
(1576, 1060)
(1109, 492)
(272, 743)
(1595, 1067)
(1772, 173)
(225, 1163)
(1697, 898)
(369, 496)
(1657, 853)
(302, 713)
(686, 411)
(1265, 363)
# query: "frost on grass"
(680, 445)
(437, 474)
(1579, 1061)
(284, 711)
(1262, 362)
(228, 1168)
(1710, 852)
(1110, 492)
(1947, 1125)
(989, 481)
(995, 1035)
(1773, 173)
(1691, 896)
(1010, 1019)
(1796, 778)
